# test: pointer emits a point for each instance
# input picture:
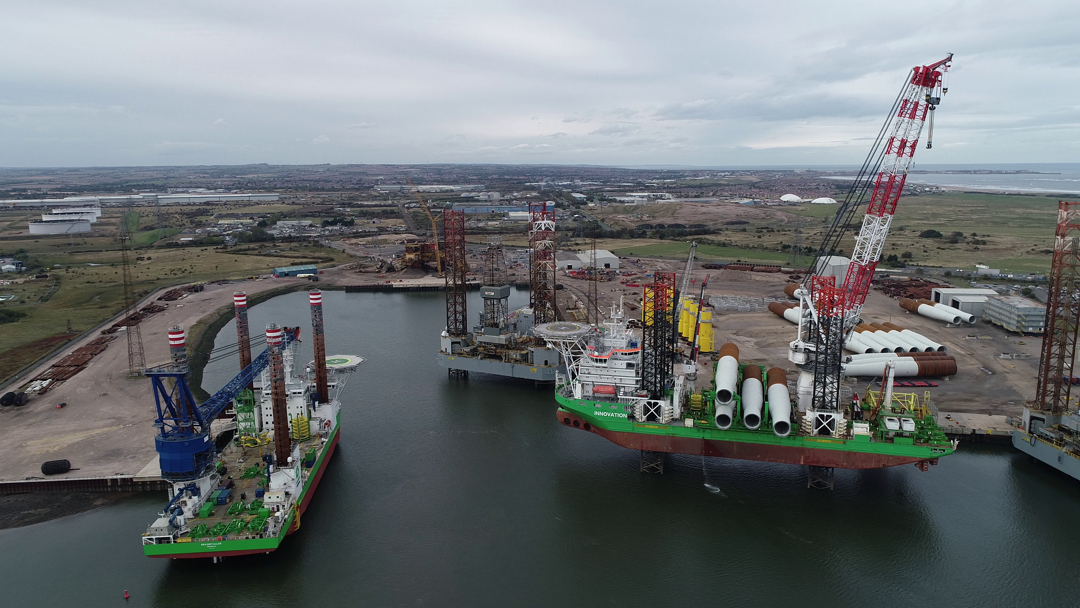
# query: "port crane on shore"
(434, 229)
(828, 312)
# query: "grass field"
(85, 287)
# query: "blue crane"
(185, 448)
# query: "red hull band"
(315, 482)
(838, 459)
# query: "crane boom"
(685, 278)
(829, 312)
(434, 230)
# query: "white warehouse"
(569, 260)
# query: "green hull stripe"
(252, 544)
(601, 416)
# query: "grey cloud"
(699, 82)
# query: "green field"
(666, 249)
(85, 286)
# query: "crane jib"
(212, 407)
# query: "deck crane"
(434, 230)
(184, 445)
(829, 312)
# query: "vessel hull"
(835, 453)
(249, 546)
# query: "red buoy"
(126, 596)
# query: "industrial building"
(140, 199)
(569, 260)
(292, 271)
(1016, 313)
(90, 214)
(969, 300)
(833, 266)
(59, 226)
(10, 265)
(69, 220)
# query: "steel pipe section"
(787, 311)
(727, 373)
(895, 336)
(906, 367)
(928, 344)
(869, 336)
(964, 316)
(856, 345)
(931, 310)
(725, 413)
(753, 397)
(876, 357)
(779, 401)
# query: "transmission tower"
(1062, 314)
(136, 357)
(542, 262)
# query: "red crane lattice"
(1062, 314)
(542, 261)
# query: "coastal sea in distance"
(1050, 178)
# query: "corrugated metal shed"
(292, 271)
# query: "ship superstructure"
(246, 489)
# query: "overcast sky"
(555, 81)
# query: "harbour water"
(447, 493)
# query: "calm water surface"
(447, 494)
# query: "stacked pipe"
(243, 338)
(779, 401)
(753, 397)
(282, 445)
(927, 344)
(789, 290)
(863, 340)
(753, 394)
(908, 365)
(940, 312)
(727, 375)
(315, 299)
(888, 338)
(785, 310)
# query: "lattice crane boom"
(919, 97)
(434, 228)
(829, 312)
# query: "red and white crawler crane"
(829, 312)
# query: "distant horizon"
(644, 167)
